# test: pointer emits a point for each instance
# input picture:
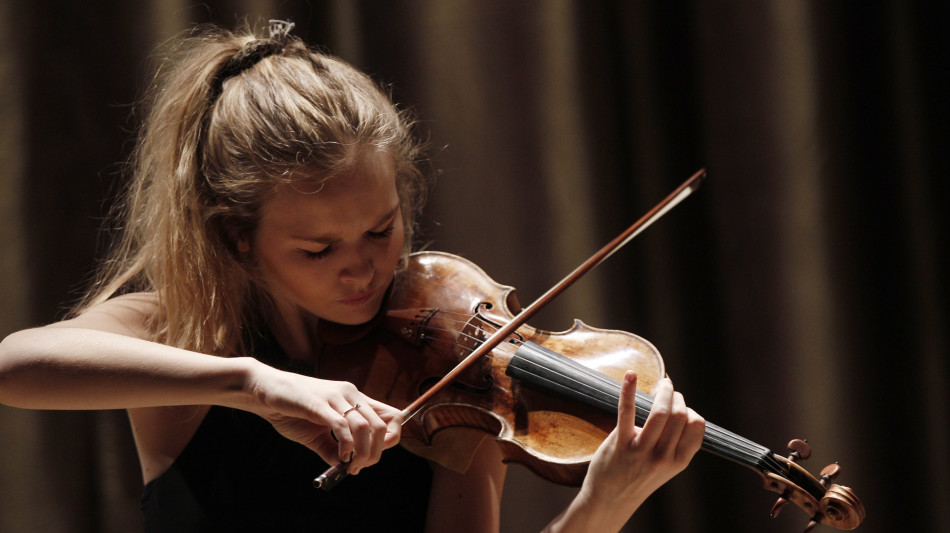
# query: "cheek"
(395, 248)
(302, 286)
(283, 276)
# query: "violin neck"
(548, 370)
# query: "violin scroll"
(828, 503)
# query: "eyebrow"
(329, 239)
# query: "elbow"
(14, 361)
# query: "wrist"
(592, 513)
(603, 511)
(241, 386)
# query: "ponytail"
(230, 116)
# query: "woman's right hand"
(332, 418)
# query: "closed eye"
(313, 256)
(386, 233)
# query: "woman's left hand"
(634, 461)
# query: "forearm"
(587, 515)
(74, 368)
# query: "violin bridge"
(411, 324)
(471, 336)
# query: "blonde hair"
(223, 127)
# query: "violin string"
(716, 438)
(459, 332)
(504, 348)
(719, 438)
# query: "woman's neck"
(295, 331)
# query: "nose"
(359, 270)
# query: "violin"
(452, 349)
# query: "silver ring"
(354, 408)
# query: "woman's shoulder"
(127, 314)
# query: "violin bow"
(334, 474)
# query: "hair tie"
(280, 30)
(252, 53)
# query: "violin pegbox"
(828, 503)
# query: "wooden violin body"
(550, 399)
(426, 333)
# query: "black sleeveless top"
(239, 474)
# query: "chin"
(354, 321)
(356, 317)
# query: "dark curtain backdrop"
(801, 292)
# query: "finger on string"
(627, 407)
(692, 438)
(673, 430)
(659, 414)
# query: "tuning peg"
(828, 473)
(812, 524)
(800, 450)
(777, 508)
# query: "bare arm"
(470, 502)
(80, 368)
(100, 361)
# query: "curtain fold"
(801, 292)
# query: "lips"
(359, 298)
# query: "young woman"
(274, 187)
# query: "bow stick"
(334, 474)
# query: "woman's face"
(332, 251)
